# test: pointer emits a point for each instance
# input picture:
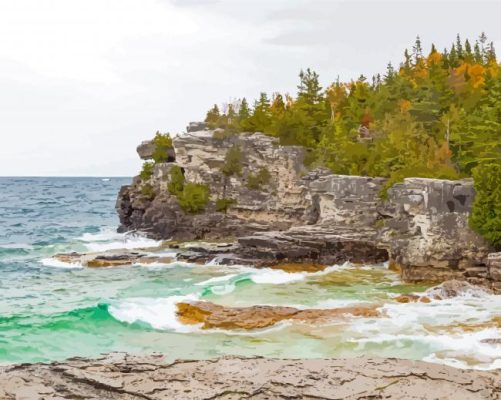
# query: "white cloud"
(84, 81)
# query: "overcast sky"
(82, 82)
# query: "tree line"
(437, 115)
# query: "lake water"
(50, 310)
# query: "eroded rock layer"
(121, 376)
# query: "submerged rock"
(111, 258)
(412, 298)
(125, 377)
(446, 290)
(454, 288)
(211, 315)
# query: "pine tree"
(459, 48)
(243, 110)
(390, 73)
(261, 119)
(490, 53)
(453, 57)
(417, 50)
(309, 89)
(213, 116)
(468, 54)
(277, 107)
(477, 54)
(406, 66)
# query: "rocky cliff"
(301, 215)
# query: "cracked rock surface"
(122, 376)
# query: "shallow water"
(51, 310)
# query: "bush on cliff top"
(486, 212)
(233, 161)
(222, 205)
(194, 197)
(176, 180)
(147, 171)
(163, 143)
(148, 191)
(260, 179)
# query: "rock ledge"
(121, 376)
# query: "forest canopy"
(438, 114)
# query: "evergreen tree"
(468, 54)
(459, 48)
(243, 110)
(309, 89)
(261, 118)
(477, 54)
(417, 50)
(213, 116)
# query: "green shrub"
(176, 180)
(147, 171)
(221, 134)
(163, 143)
(233, 162)
(148, 191)
(194, 197)
(257, 181)
(222, 205)
(486, 212)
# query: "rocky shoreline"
(127, 377)
(309, 216)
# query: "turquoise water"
(50, 310)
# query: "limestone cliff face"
(427, 229)
(283, 202)
(300, 215)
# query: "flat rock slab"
(121, 376)
(211, 315)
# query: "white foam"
(461, 309)
(254, 332)
(275, 276)
(278, 276)
(16, 246)
(109, 239)
(216, 279)
(159, 313)
(337, 303)
(453, 346)
(54, 263)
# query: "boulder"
(454, 288)
(211, 315)
(146, 149)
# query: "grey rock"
(454, 288)
(196, 126)
(494, 266)
(146, 149)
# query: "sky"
(83, 82)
